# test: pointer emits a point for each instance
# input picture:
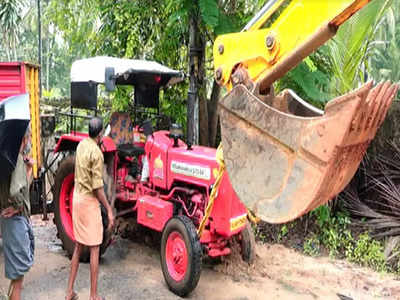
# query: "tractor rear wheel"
(63, 195)
(181, 255)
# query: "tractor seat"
(129, 150)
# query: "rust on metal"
(221, 49)
(324, 34)
(348, 12)
(270, 42)
(218, 74)
(284, 160)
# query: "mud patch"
(234, 266)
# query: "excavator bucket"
(285, 159)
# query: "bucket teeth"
(283, 165)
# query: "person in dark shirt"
(17, 234)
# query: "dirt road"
(132, 270)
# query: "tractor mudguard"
(283, 165)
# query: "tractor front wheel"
(63, 195)
(181, 255)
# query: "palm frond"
(376, 204)
(351, 46)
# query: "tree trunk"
(8, 54)
(193, 69)
(39, 46)
(7, 47)
(14, 47)
(203, 114)
(213, 114)
(203, 110)
(196, 65)
(48, 64)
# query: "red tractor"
(165, 182)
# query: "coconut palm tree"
(353, 45)
(386, 50)
(10, 18)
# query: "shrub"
(368, 252)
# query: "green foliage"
(312, 246)
(225, 25)
(396, 265)
(209, 12)
(283, 232)
(53, 93)
(352, 46)
(334, 235)
(173, 106)
(367, 252)
(309, 79)
(323, 215)
(365, 47)
(261, 235)
(10, 19)
(141, 29)
(345, 62)
(386, 47)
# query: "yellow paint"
(215, 173)
(292, 28)
(32, 81)
(158, 163)
(238, 222)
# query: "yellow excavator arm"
(283, 156)
(279, 37)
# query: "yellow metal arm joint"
(280, 39)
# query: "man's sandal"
(74, 296)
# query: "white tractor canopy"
(126, 71)
(147, 77)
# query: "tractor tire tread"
(191, 280)
(67, 166)
(248, 244)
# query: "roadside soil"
(130, 269)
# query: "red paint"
(66, 201)
(160, 146)
(13, 79)
(154, 212)
(108, 145)
(125, 190)
(65, 141)
(126, 196)
(216, 244)
(227, 204)
(217, 252)
(156, 149)
(176, 256)
(202, 157)
(164, 187)
(154, 200)
(157, 79)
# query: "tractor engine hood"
(197, 164)
(170, 164)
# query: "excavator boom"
(284, 157)
(279, 38)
